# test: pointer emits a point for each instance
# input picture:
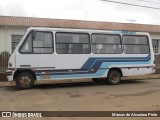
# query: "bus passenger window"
(72, 43)
(106, 44)
(135, 44)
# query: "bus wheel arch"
(17, 72)
(114, 76)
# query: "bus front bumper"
(9, 74)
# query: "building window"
(15, 40)
(155, 44)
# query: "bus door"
(73, 50)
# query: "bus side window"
(41, 43)
(72, 43)
(27, 45)
(106, 44)
(136, 44)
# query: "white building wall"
(5, 36)
(155, 35)
(157, 55)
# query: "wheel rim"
(115, 77)
(25, 81)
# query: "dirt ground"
(133, 94)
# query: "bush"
(4, 57)
(5, 53)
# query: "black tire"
(114, 77)
(25, 80)
(99, 80)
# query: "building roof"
(62, 23)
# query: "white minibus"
(62, 53)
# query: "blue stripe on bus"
(99, 73)
(95, 62)
(95, 66)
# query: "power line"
(149, 1)
(131, 4)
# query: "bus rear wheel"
(114, 77)
(25, 80)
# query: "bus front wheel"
(114, 77)
(25, 80)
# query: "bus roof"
(87, 30)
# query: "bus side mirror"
(33, 34)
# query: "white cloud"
(94, 10)
(15, 9)
(1, 10)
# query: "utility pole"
(131, 20)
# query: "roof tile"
(46, 22)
